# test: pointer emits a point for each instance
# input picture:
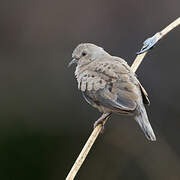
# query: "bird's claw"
(101, 122)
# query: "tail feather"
(144, 123)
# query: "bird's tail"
(144, 123)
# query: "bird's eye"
(84, 53)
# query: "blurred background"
(44, 121)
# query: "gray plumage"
(108, 84)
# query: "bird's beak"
(72, 62)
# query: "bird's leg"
(101, 121)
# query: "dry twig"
(147, 45)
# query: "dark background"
(44, 121)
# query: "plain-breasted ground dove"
(108, 84)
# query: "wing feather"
(109, 84)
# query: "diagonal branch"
(147, 45)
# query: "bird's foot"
(101, 121)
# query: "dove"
(108, 84)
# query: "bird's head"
(86, 53)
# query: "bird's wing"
(111, 84)
(143, 91)
(144, 95)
